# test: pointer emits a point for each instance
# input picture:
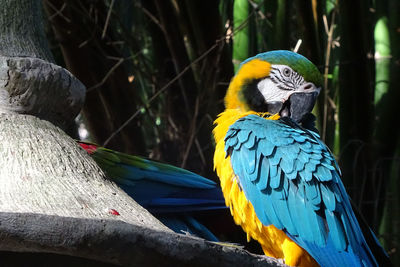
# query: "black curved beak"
(301, 102)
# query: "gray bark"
(34, 86)
(22, 32)
(42, 170)
(29, 82)
(136, 245)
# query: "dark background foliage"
(157, 70)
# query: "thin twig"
(159, 92)
(201, 154)
(329, 32)
(105, 78)
(257, 8)
(88, 39)
(173, 125)
(192, 133)
(58, 12)
(178, 76)
(297, 47)
(113, 68)
(107, 19)
(152, 18)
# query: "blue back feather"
(297, 188)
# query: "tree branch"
(116, 242)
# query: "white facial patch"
(281, 83)
(272, 92)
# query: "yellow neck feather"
(254, 69)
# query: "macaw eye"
(286, 72)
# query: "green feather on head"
(297, 62)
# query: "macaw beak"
(300, 103)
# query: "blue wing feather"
(251, 141)
(293, 182)
(264, 177)
(154, 185)
(172, 194)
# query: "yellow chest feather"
(275, 243)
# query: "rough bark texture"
(42, 170)
(136, 246)
(29, 82)
(37, 87)
(21, 27)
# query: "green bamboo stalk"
(281, 25)
(387, 142)
(382, 58)
(241, 38)
(335, 88)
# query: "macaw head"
(278, 82)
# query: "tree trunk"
(45, 171)
(96, 239)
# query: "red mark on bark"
(113, 212)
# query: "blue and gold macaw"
(171, 194)
(281, 182)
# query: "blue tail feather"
(172, 194)
(187, 224)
